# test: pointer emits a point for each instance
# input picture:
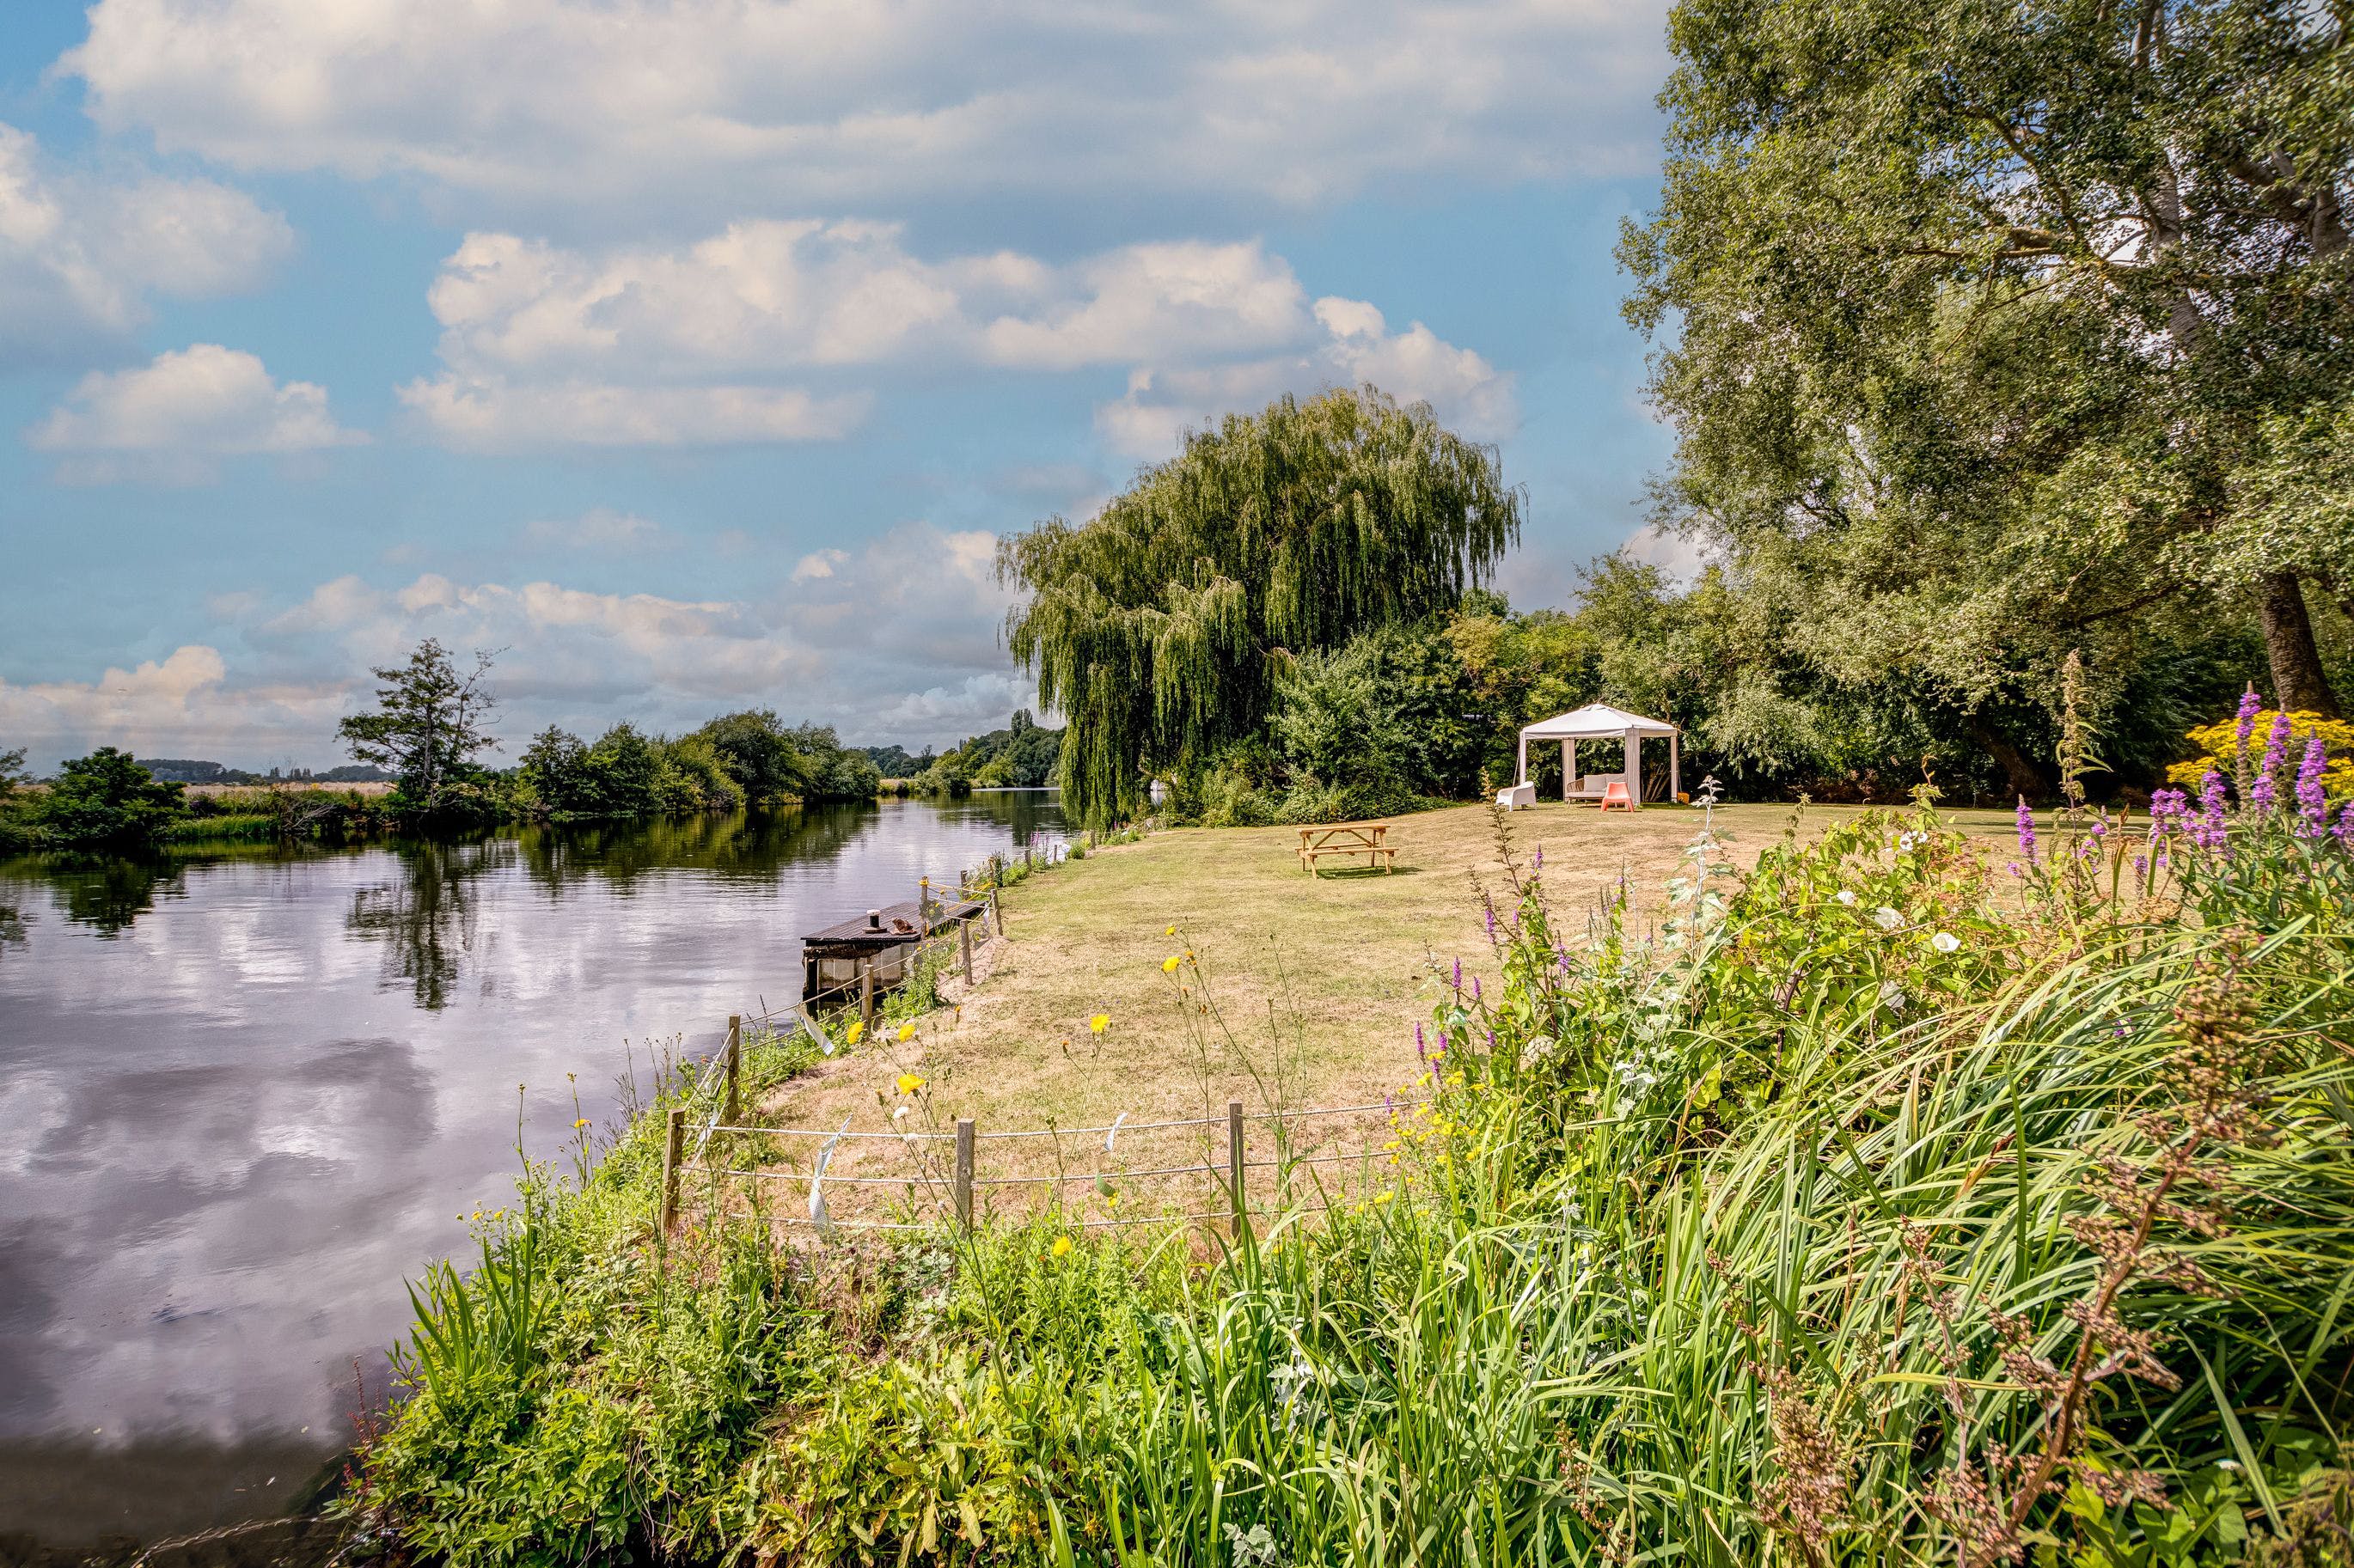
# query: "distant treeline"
(1020, 756)
(196, 770)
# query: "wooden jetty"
(836, 963)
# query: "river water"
(245, 1094)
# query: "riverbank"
(1769, 1188)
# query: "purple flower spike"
(2250, 705)
(1491, 1042)
(1421, 1046)
(1538, 862)
(2312, 801)
(1442, 1044)
(2209, 834)
(1458, 980)
(2265, 792)
(2344, 830)
(2026, 831)
(1475, 987)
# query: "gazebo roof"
(1595, 720)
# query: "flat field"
(1315, 986)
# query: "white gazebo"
(1597, 721)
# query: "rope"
(1089, 1176)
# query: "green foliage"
(759, 754)
(1020, 756)
(428, 727)
(104, 802)
(13, 831)
(835, 771)
(2001, 332)
(1160, 628)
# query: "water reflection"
(244, 1094)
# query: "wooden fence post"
(1234, 1160)
(867, 995)
(734, 1064)
(964, 1135)
(964, 943)
(924, 904)
(672, 1150)
(996, 912)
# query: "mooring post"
(964, 942)
(867, 995)
(735, 1063)
(672, 1150)
(924, 904)
(1235, 1159)
(964, 1136)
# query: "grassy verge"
(1865, 1205)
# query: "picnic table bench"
(1347, 840)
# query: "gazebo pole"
(1634, 770)
(1522, 776)
(1568, 768)
(1675, 784)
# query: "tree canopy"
(429, 722)
(1999, 330)
(106, 800)
(1160, 628)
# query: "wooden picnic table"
(1347, 839)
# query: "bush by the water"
(1881, 1204)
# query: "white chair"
(1517, 797)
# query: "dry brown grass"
(1317, 981)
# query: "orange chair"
(1615, 795)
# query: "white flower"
(900, 1114)
(1845, 896)
(1891, 996)
(1945, 941)
(1888, 919)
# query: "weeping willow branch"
(1160, 628)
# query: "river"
(245, 1094)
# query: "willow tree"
(1160, 627)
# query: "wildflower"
(1475, 987)
(899, 1113)
(1442, 1044)
(1946, 942)
(2026, 831)
(1887, 919)
(2262, 793)
(909, 1083)
(1845, 895)
(1537, 864)
(1491, 925)
(850, 1035)
(2209, 834)
(2250, 706)
(2344, 830)
(907, 1033)
(1459, 974)
(1062, 1248)
(1100, 1023)
(2312, 803)
(1171, 932)
(1421, 1050)
(579, 1122)
(1168, 965)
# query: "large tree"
(429, 724)
(1996, 324)
(1160, 627)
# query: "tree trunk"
(2297, 679)
(2024, 778)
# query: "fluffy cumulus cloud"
(720, 341)
(882, 652)
(688, 104)
(172, 417)
(81, 256)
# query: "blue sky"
(694, 352)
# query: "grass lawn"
(1318, 982)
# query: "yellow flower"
(1168, 965)
(850, 1035)
(909, 1083)
(579, 1123)
(1100, 1023)
(1062, 1248)
(1171, 932)
(907, 1031)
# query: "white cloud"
(1469, 394)
(690, 105)
(80, 256)
(817, 565)
(172, 416)
(1678, 555)
(546, 344)
(880, 650)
